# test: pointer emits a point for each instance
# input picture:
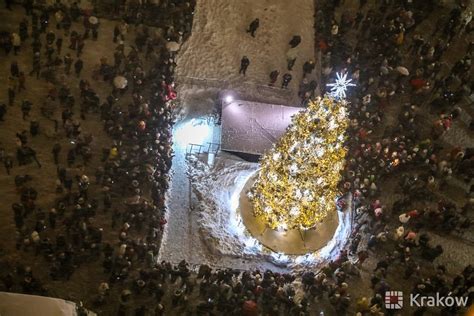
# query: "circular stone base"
(290, 242)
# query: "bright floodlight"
(339, 87)
(228, 98)
(194, 131)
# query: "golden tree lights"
(296, 186)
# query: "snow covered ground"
(209, 60)
(219, 40)
(180, 235)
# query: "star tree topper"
(338, 88)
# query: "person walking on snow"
(244, 63)
(273, 77)
(286, 80)
(291, 58)
(253, 27)
(295, 41)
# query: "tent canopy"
(252, 127)
(33, 305)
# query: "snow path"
(211, 56)
(180, 235)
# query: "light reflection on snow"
(194, 131)
(306, 259)
(280, 257)
(253, 246)
(228, 98)
(236, 224)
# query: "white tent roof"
(251, 127)
(13, 304)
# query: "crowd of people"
(126, 188)
(137, 112)
(394, 60)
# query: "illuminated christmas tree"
(296, 187)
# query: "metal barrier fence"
(212, 148)
(246, 90)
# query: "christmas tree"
(296, 186)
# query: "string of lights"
(296, 186)
(339, 87)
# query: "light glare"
(194, 131)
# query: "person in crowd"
(67, 63)
(56, 151)
(78, 65)
(3, 111)
(16, 42)
(26, 108)
(59, 45)
(12, 85)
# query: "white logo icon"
(393, 299)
